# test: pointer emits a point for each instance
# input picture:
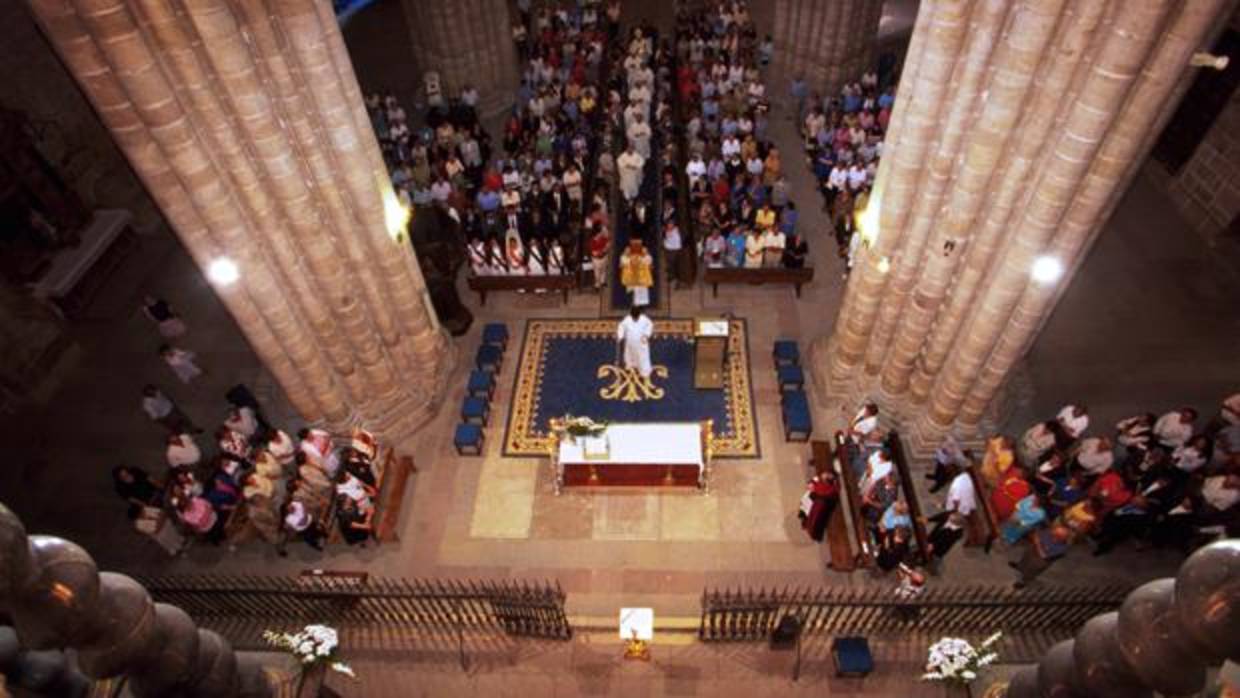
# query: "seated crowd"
(844, 143)
(737, 190)
(256, 479)
(1164, 481)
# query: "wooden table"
(77, 273)
(665, 454)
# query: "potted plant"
(314, 648)
(957, 662)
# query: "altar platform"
(571, 367)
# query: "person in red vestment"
(1012, 488)
(822, 493)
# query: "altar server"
(634, 334)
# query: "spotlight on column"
(884, 265)
(1047, 269)
(395, 214)
(223, 271)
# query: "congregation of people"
(843, 136)
(247, 478)
(737, 189)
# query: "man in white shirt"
(1175, 428)
(961, 497)
(1095, 455)
(865, 423)
(877, 467)
(634, 333)
(1074, 420)
(696, 169)
(182, 451)
(161, 409)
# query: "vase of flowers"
(575, 427)
(957, 662)
(314, 648)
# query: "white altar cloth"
(668, 443)
(71, 264)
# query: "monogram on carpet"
(573, 367)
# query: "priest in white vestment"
(634, 333)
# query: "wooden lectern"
(710, 342)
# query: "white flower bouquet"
(583, 426)
(314, 644)
(957, 660)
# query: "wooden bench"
(855, 548)
(757, 276)
(538, 282)
(841, 546)
(896, 445)
(983, 526)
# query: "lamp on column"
(867, 220)
(1046, 269)
(395, 214)
(223, 271)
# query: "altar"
(652, 454)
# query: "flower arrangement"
(956, 660)
(314, 644)
(583, 426)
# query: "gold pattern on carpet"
(629, 385)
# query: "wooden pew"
(392, 496)
(850, 508)
(983, 526)
(558, 282)
(909, 492)
(841, 545)
(757, 276)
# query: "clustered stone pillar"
(1018, 126)
(468, 42)
(1162, 639)
(827, 42)
(58, 599)
(244, 120)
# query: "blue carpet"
(560, 374)
(651, 192)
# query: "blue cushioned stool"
(787, 353)
(489, 358)
(475, 411)
(468, 440)
(798, 424)
(790, 378)
(481, 385)
(495, 333)
(852, 656)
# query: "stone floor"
(1150, 321)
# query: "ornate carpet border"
(521, 440)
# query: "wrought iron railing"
(753, 614)
(516, 608)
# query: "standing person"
(630, 164)
(636, 272)
(299, 521)
(181, 362)
(137, 488)
(1045, 546)
(161, 409)
(672, 246)
(634, 333)
(912, 585)
(945, 535)
(182, 451)
(1175, 428)
(159, 312)
(818, 503)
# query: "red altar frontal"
(664, 454)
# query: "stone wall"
(1207, 189)
(71, 136)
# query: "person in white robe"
(639, 136)
(634, 334)
(630, 164)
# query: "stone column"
(826, 41)
(245, 125)
(466, 42)
(1043, 112)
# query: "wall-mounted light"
(395, 214)
(884, 265)
(1046, 269)
(223, 271)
